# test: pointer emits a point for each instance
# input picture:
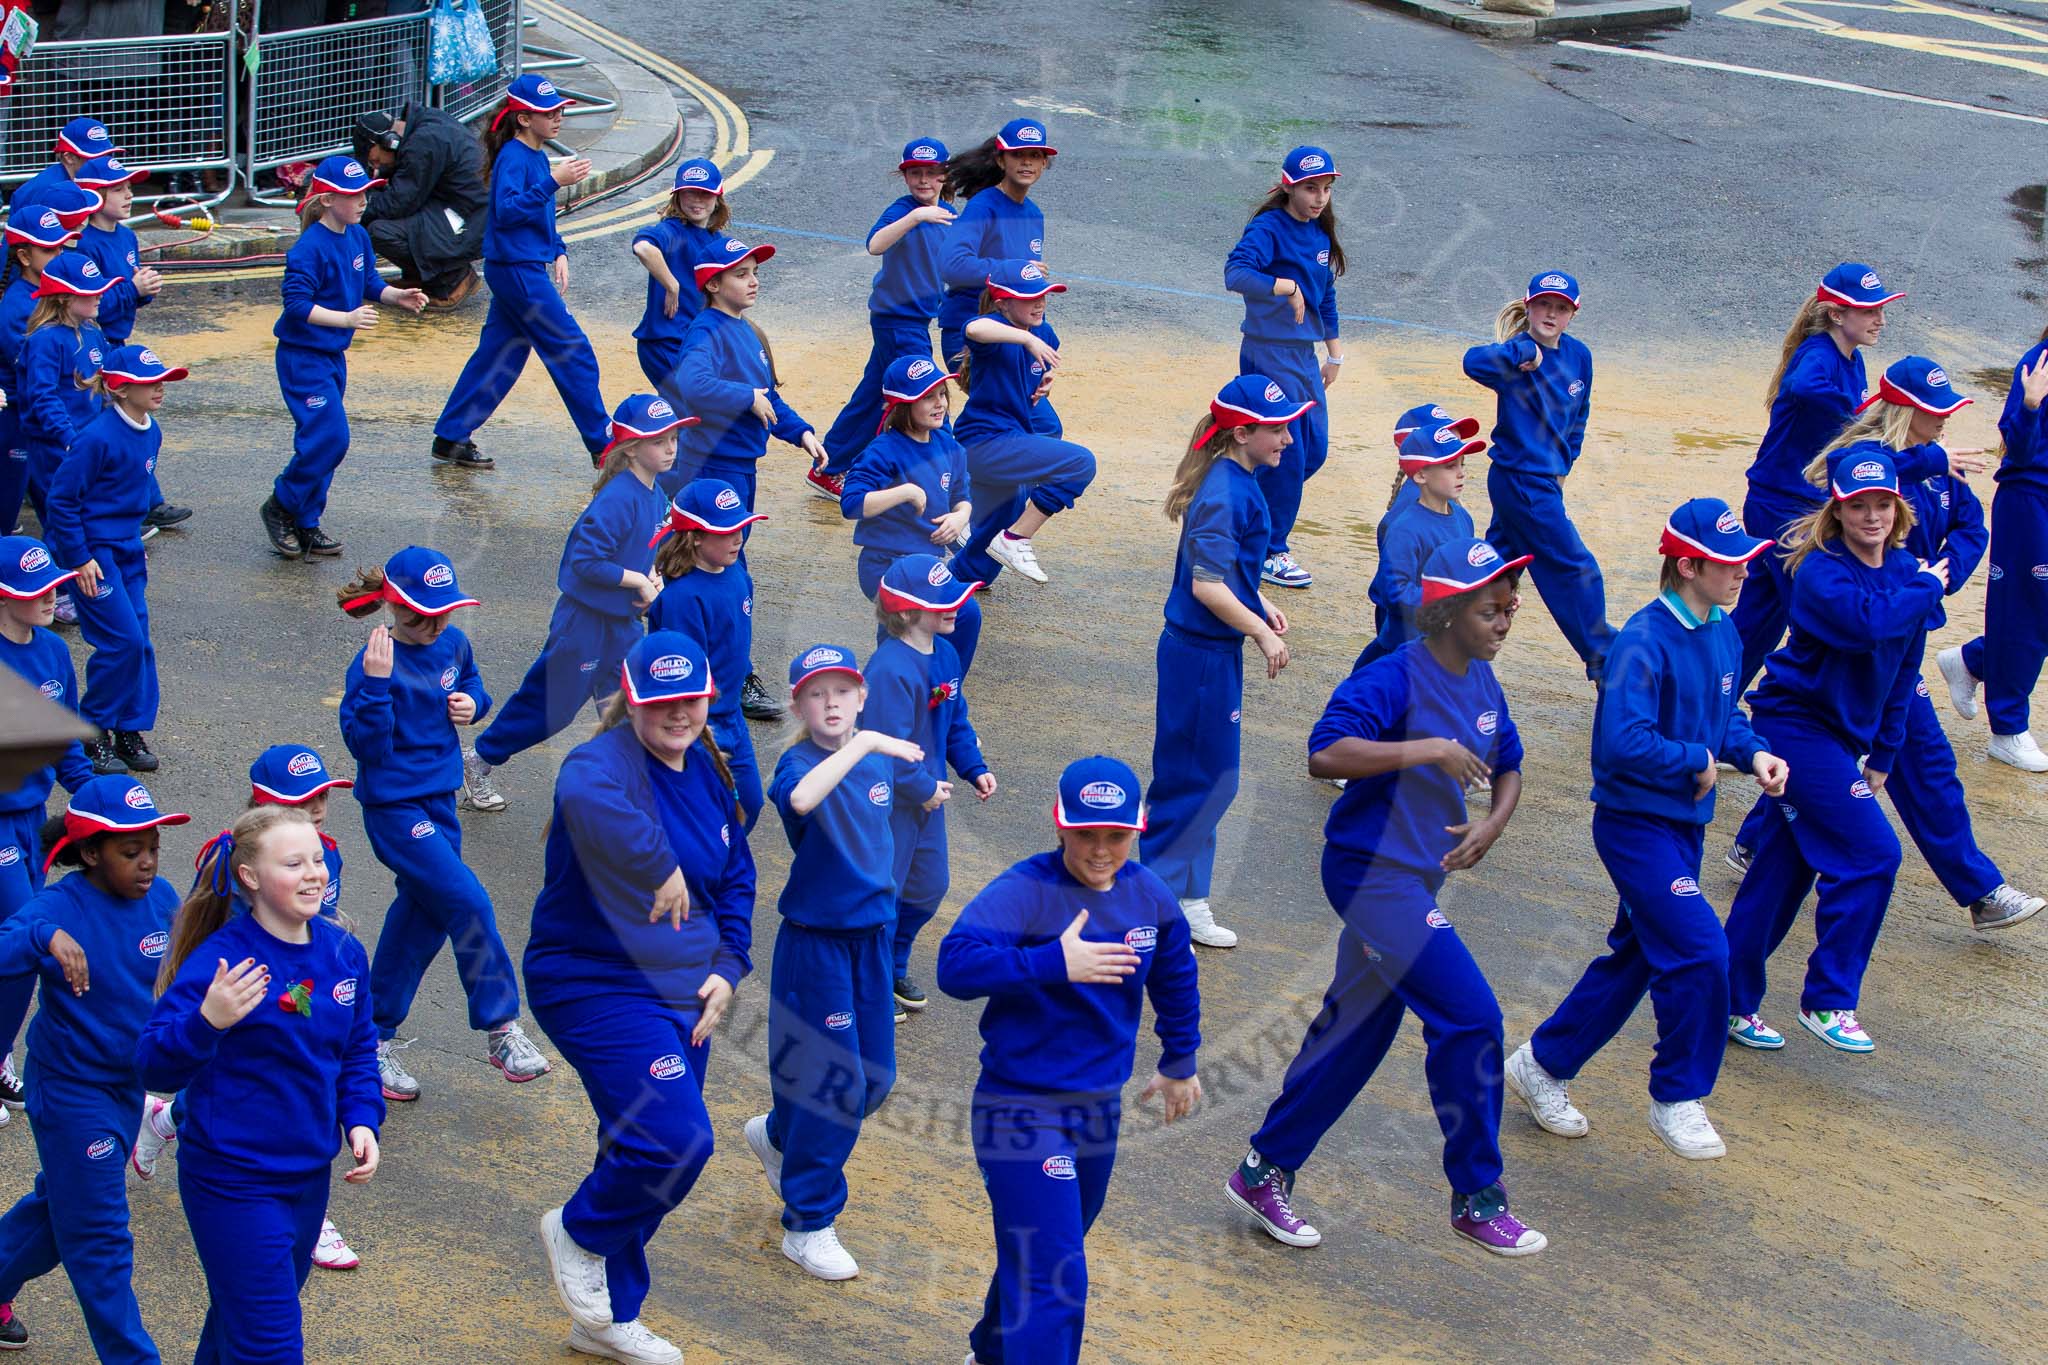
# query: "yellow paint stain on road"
(2026, 51)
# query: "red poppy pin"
(298, 999)
(939, 694)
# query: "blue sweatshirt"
(1001, 378)
(117, 253)
(1844, 665)
(1540, 421)
(1408, 534)
(716, 609)
(327, 269)
(623, 823)
(1223, 535)
(45, 664)
(520, 225)
(276, 1093)
(1815, 400)
(56, 362)
(917, 697)
(938, 466)
(1667, 711)
(608, 540)
(842, 875)
(682, 246)
(909, 285)
(723, 363)
(91, 1037)
(15, 306)
(1400, 816)
(990, 228)
(31, 191)
(100, 493)
(1040, 1032)
(1948, 524)
(2025, 433)
(405, 746)
(1275, 245)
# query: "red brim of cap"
(319, 186)
(1840, 494)
(691, 522)
(895, 599)
(1550, 294)
(1410, 463)
(1827, 295)
(115, 378)
(1304, 179)
(127, 179)
(59, 581)
(1888, 392)
(628, 434)
(921, 393)
(1000, 292)
(23, 235)
(1003, 146)
(847, 669)
(84, 824)
(64, 146)
(717, 190)
(1675, 544)
(394, 593)
(1060, 820)
(1437, 589)
(51, 287)
(935, 165)
(269, 796)
(709, 268)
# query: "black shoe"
(13, 1336)
(100, 753)
(132, 749)
(166, 514)
(462, 454)
(284, 537)
(318, 542)
(909, 994)
(756, 702)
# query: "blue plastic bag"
(460, 48)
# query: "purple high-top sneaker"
(1484, 1218)
(1261, 1190)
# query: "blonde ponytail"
(1512, 320)
(1814, 317)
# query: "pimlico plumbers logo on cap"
(35, 559)
(90, 270)
(1937, 377)
(138, 798)
(1031, 270)
(823, 654)
(438, 576)
(919, 369)
(1554, 282)
(1102, 795)
(937, 576)
(696, 173)
(670, 668)
(1275, 394)
(1871, 281)
(726, 500)
(1867, 469)
(1029, 134)
(1481, 555)
(660, 408)
(303, 764)
(1444, 436)
(735, 244)
(1728, 523)
(1313, 162)
(924, 152)
(546, 87)
(354, 168)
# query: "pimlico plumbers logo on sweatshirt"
(1142, 939)
(154, 945)
(344, 991)
(448, 678)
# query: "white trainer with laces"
(579, 1275)
(155, 1134)
(513, 1053)
(478, 792)
(771, 1160)
(1962, 683)
(1684, 1127)
(820, 1254)
(1282, 571)
(2004, 907)
(331, 1252)
(1550, 1104)
(627, 1342)
(1015, 552)
(398, 1084)
(1203, 928)
(2019, 751)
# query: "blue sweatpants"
(1045, 1161)
(1529, 519)
(255, 1235)
(1194, 758)
(1008, 471)
(733, 736)
(13, 469)
(21, 878)
(2009, 654)
(526, 316)
(966, 636)
(1828, 830)
(578, 665)
(314, 384)
(1765, 607)
(832, 1059)
(895, 337)
(120, 677)
(1667, 943)
(922, 875)
(1294, 365)
(1397, 952)
(645, 1080)
(76, 1215)
(43, 457)
(439, 901)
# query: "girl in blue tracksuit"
(1666, 717)
(910, 237)
(526, 264)
(1422, 513)
(998, 225)
(331, 288)
(1286, 263)
(35, 236)
(1022, 469)
(831, 1023)
(2007, 657)
(642, 931)
(107, 925)
(97, 500)
(1065, 947)
(1212, 606)
(1815, 393)
(29, 579)
(909, 493)
(1410, 734)
(265, 1023)
(708, 595)
(61, 354)
(406, 691)
(1837, 689)
(914, 682)
(690, 230)
(1545, 383)
(607, 581)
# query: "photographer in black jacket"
(429, 220)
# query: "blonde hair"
(1814, 317)
(1195, 465)
(719, 217)
(1822, 526)
(312, 206)
(205, 910)
(1400, 477)
(1512, 320)
(897, 623)
(52, 310)
(1891, 424)
(618, 709)
(616, 460)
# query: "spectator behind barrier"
(429, 220)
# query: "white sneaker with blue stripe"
(1281, 571)
(1750, 1030)
(1838, 1029)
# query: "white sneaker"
(1962, 684)
(1685, 1129)
(1015, 552)
(2004, 907)
(477, 791)
(1203, 928)
(771, 1160)
(1739, 858)
(580, 1280)
(2020, 751)
(331, 1253)
(151, 1138)
(820, 1253)
(624, 1341)
(1549, 1102)
(5, 1117)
